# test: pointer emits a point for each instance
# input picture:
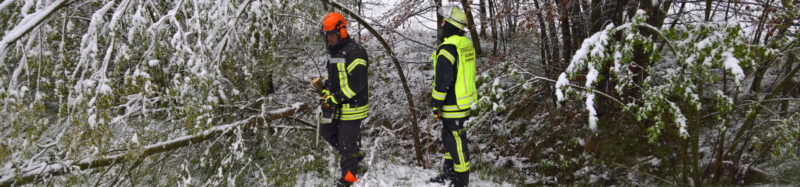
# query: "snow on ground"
(387, 173)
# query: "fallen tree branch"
(43, 170)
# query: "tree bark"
(556, 48)
(708, 10)
(409, 97)
(762, 20)
(657, 16)
(565, 29)
(764, 64)
(577, 24)
(597, 21)
(493, 13)
(439, 32)
(483, 18)
(544, 38)
(476, 41)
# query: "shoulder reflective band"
(343, 82)
(355, 63)
(447, 55)
(461, 165)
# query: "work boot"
(446, 175)
(362, 167)
(343, 183)
(360, 155)
(461, 179)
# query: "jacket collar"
(339, 46)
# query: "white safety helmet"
(453, 15)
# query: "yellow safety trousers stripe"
(461, 165)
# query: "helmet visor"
(445, 10)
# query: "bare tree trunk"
(409, 96)
(787, 89)
(640, 57)
(556, 48)
(694, 137)
(659, 13)
(544, 38)
(483, 18)
(708, 10)
(360, 5)
(762, 20)
(597, 21)
(632, 6)
(763, 65)
(476, 41)
(511, 21)
(577, 24)
(439, 32)
(493, 13)
(565, 29)
(545, 52)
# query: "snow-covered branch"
(26, 25)
(27, 175)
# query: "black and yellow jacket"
(347, 80)
(453, 90)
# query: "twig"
(579, 87)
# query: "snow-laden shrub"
(688, 82)
(700, 58)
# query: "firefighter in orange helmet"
(344, 97)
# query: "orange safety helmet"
(334, 23)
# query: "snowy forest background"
(200, 92)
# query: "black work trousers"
(343, 135)
(456, 157)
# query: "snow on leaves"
(672, 86)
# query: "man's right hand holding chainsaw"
(328, 102)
